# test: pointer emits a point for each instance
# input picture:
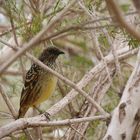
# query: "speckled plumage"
(39, 84)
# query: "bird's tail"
(22, 111)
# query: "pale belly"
(47, 89)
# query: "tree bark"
(127, 114)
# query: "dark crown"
(50, 54)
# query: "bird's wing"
(30, 85)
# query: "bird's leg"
(40, 111)
(47, 115)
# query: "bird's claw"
(47, 115)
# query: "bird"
(39, 84)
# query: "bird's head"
(50, 54)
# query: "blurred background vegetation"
(86, 33)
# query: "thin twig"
(34, 40)
(83, 24)
(119, 16)
(95, 39)
(8, 102)
(61, 104)
(67, 81)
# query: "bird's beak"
(61, 52)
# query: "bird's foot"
(47, 115)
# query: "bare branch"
(119, 16)
(124, 114)
(34, 40)
(67, 81)
(8, 102)
(33, 122)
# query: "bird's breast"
(48, 84)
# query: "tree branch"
(125, 115)
(34, 40)
(120, 19)
(32, 122)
